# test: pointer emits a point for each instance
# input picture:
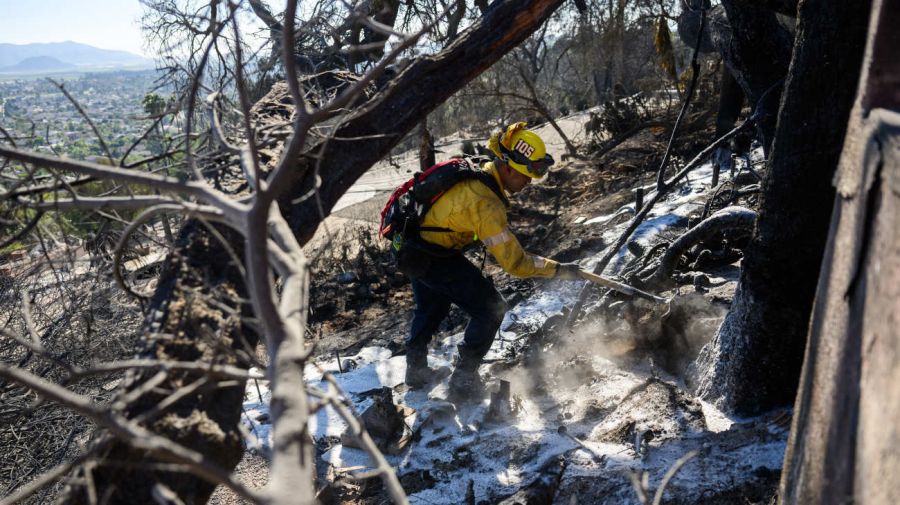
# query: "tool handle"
(621, 288)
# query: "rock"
(655, 407)
(384, 422)
(542, 489)
(349, 364)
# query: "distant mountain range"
(64, 56)
(37, 64)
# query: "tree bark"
(731, 100)
(753, 363)
(785, 7)
(842, 447)
(189, 327)
(756, 49)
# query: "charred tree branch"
(695, 74)
(383, 121)
(729, 218)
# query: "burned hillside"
(569, 392)
(659, 274)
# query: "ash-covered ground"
(596, 413)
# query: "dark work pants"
(455, 280)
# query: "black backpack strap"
(467, 171)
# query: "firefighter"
(469, 211)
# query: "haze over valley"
(54, 57)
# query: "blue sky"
(108, 24)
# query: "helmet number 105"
(524, 148)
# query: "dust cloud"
(633, 337)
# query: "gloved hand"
(568, 271)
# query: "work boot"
(465, 383)
(416, 370)
(419, 374)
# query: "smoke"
(692, 322)
(626, 338)
(566, 360)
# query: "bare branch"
(657, 498)
(104, 202)
(163, 183)
(212, 370)
(85, 116)
(134, 434)
(249, 156)
(190, 209)
(216, 125)
(196, 80)
(305, 119)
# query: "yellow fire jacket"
(473, 212)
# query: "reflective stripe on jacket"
(474, 212)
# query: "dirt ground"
(359, 301)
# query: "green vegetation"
(39, 114)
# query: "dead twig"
(640, 481)
(760, 113)
(132, 433)
(695, 74)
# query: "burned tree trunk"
(753, 363)
(182, 315)
(756, 49)
(426, 148)
(185, 325)
(413, 94)
(842, 447)
(785, 7)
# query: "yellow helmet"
(521, 149)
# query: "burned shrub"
(617, 117)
